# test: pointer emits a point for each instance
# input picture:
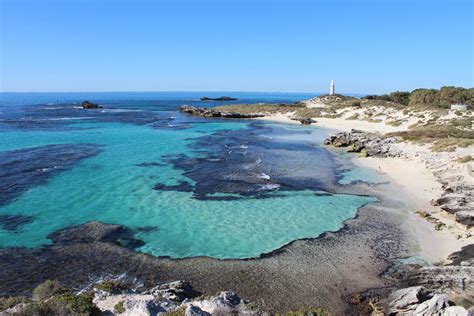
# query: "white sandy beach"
(414, 178)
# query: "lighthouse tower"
(331, 92)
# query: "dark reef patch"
(59, 117)
(182, 186)
(25, 168)
(14, 222)
(97, 232)
(253, 162)
(151, 164)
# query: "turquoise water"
(111, 187)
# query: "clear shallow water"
(187, 186)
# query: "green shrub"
(81, 304)
(423, 214)
(395, 123)
(10, 301)
(47, 289)
(355, 103)
(310, 311)
(353, 117)
(118, 308)
(465, 159)
(111, 286)
(401, 97)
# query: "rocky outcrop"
(224, 98)
(368, 144)
(407, 300)
(176, 297)
(90, 105)
(304, 121)
(458, 199)
(206, 112)
(428, 290)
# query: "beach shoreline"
(413, 178)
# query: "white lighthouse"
(331, 91)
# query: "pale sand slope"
(414, 176)
(419, 184)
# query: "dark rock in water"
(14, 222)
(25, 168)
(253, 163)
(223, 98)
(205, 112)
(90, 105)
(97, 232)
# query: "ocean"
(185, 186)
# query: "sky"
(365, 46)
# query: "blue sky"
(366, 46)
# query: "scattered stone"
(90, 105)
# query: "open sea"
(186, 186)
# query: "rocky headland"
(209, 112)
(90, 105)
(223, 98)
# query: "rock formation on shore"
(368, 144)
(206, 112)
(457, 197)
(430, 290)
(90, 105)
(111, 297)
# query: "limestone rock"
(433, 306)
(192, 310)
(175, 291)
(456, 311)
(407, 300)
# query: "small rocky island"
(223, 98)
(90, 105)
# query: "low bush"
(47, 289)
(118, 308)
(465, 159)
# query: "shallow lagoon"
(251, 187)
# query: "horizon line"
(185, 91)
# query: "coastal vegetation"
(428, 98)
(50, 298)
(442, 137)
(424, 111)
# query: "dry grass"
(261, 108)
